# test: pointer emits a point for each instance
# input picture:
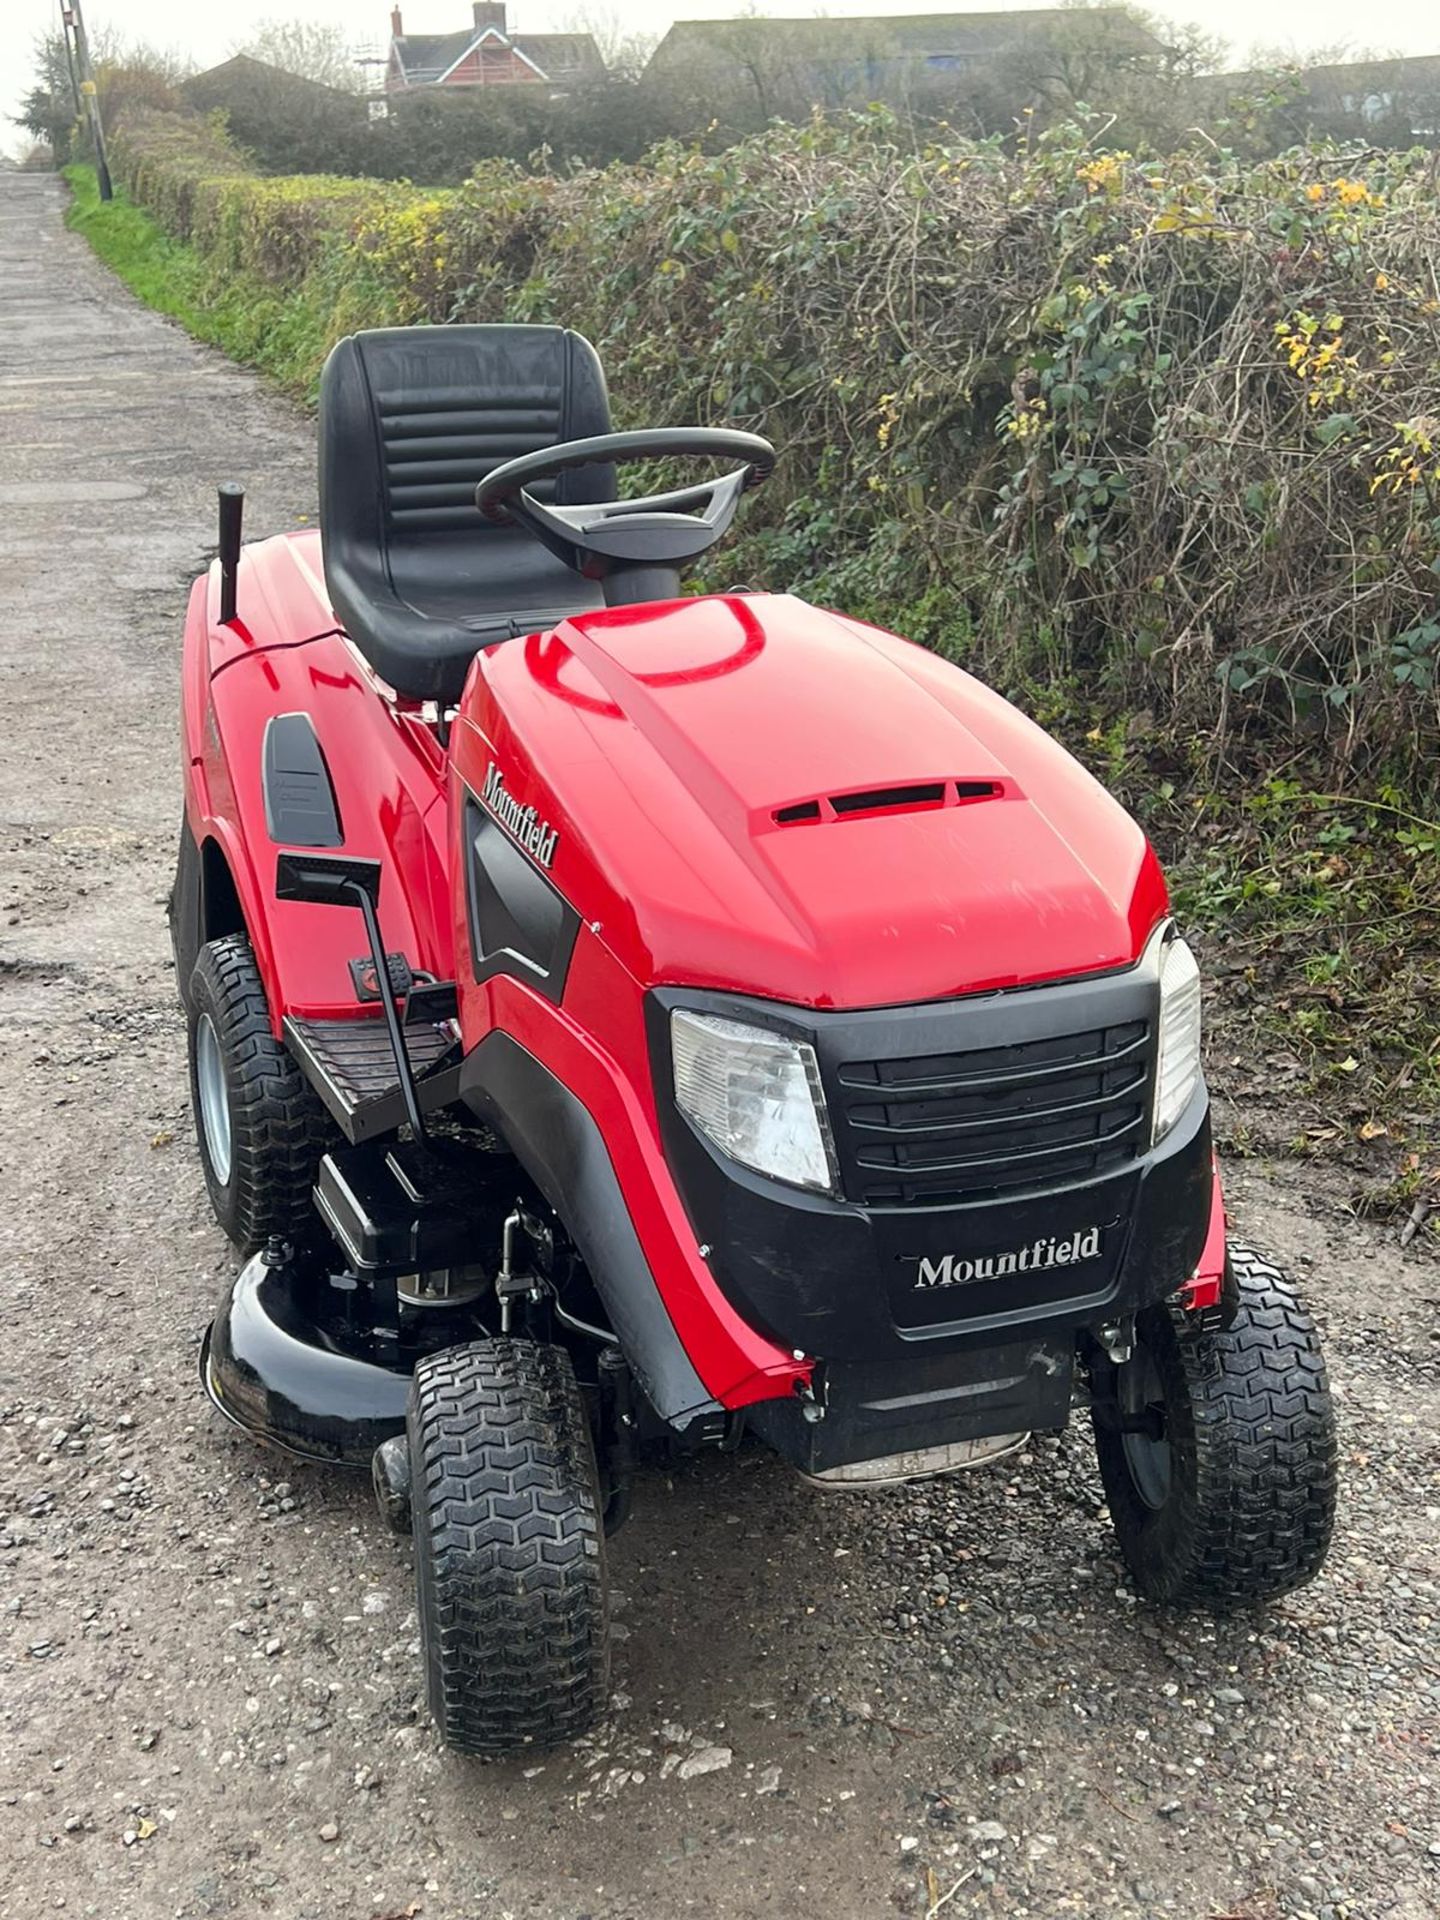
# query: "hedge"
(1168, 423)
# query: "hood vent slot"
(913, 799)
(890, 799)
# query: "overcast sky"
(208, 33)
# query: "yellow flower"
(1315, 191)
(1382, 281)
(1103, 175)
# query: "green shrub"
(1172, 423)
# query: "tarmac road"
(209, 1690)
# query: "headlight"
(757, 1095)
(1179, 1067)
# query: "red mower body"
(288, 655)
(745, 796)
(694, 757)
(621, 1021)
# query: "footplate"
(351, 1066)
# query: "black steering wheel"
(660, 530)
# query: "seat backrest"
(413, 418)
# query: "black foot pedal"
(367, 987)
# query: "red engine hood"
(661, 743)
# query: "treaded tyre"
(260, 1125)
(1223, 1495)
(509, 1547)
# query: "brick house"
(488, 54)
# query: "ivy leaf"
(1334, 427)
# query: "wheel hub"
(1143, 1432)
(214, 1099)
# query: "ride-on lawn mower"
(618, 1016)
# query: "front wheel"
(1217, 1450)
(509, 1546)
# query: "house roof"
(247, 70)
(426, 56)
(559, 52)
(913, 33)
(1423, 68)
(1401, 71)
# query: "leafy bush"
(1172, 423)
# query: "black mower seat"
(411, 420)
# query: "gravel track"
(211, 1696)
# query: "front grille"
(947, 1128)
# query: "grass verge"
(281, 335)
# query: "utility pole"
(70, 60)
(75, 21)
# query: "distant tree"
(314, 49)
(129, 74)
(728, 80)
(286, 123)
(1276, 56)
(132, 84)
(47, 110)
(623, 49)
(1123, 63)
(1339, 93)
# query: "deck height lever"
(337, 880)
(361, 896)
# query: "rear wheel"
(509, 1546)
(1217, 1449)
(259, 1123)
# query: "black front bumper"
(958, 1318)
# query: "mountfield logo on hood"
(950, 1270)
(521, 823)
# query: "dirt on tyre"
(509, 1547)
(260, 1125)
(1217, 1449)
